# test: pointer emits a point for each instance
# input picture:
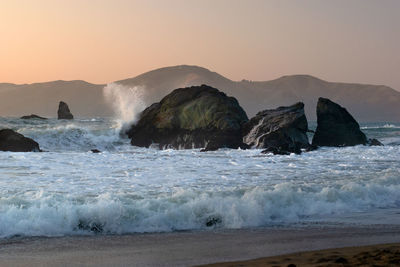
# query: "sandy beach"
(376, 255)
(188, 248)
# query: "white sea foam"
(52, 214)
(125, 189)
(76, 135)
(385, 126)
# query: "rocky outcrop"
(192, 117)
(335, 126)
(33, 117)
(15, 142)
(63, 112)
(374, 142)
(280, 131)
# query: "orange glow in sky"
(102, 41)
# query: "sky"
(102, 41)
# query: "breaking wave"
(51, 215)
(76, 135)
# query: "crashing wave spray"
(127, 102)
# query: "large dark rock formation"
(63, 112)
(336, 127)
(192, 117)
(15, 142)
(280, 131)
(32, 116)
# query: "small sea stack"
(63, 112)
(33, 117)
(16, 142)
(336, 127)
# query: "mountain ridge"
(367, 102)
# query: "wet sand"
(376, 255)
(187, 248)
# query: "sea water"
(69, 190)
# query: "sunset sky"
(102, 41)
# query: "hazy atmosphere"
(103, 41)
(190, 132)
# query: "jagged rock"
(32, 116)
(374, 142)
(192, 117)
(281, 131)
(15, 142)
(63, 112)
(335, 126)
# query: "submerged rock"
(32, 116)
(281, 131)
(15, 142)
(213, 221)
(63, 112)
(335, 126)
(276, 151)
(94, 227)
(192, 117)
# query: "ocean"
(68, 190)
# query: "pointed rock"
(335, 126)
(283, 129)
(63, 112)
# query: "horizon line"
(200, 67)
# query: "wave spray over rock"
(127, 103)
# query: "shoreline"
(188, 248)
(374, 255)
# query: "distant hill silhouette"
(84, 99)
(365, 102)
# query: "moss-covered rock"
(192, 117)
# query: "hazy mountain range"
(365, 102)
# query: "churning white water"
(69, 190)
(127, 102)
